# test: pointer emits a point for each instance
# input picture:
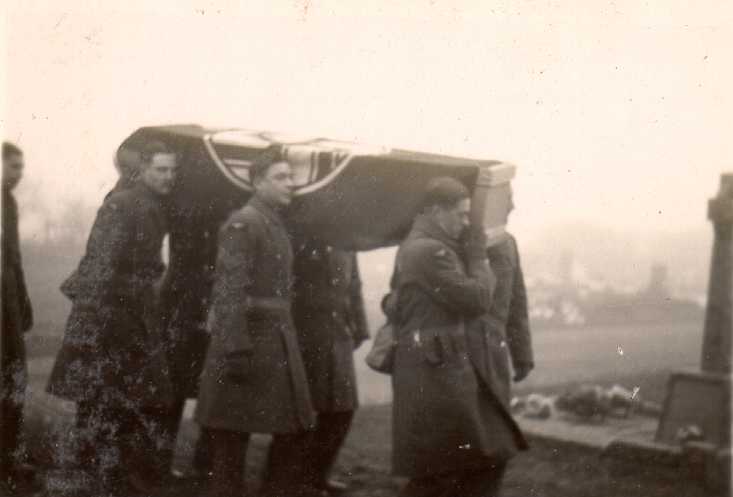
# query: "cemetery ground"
(639, 357)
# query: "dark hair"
(445, 192)
(127, 160)
(10, 149)
(261, 164)
(151, 148)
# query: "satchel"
(381, 357)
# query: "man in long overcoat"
(111, 362)
(253, 379)
(182, 310)
(503, 333)
(328, 310)
(450, 432)
(17, 318)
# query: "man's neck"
(148, 189)
(268, 202)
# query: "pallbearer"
(502, 337)
(451, 434)
(17, 318)
(253, 379)
(329, 315)
(112, 362)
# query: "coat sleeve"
(235, 264)
(389, 301)
(356, 304)
(95, 282)
(446, 282)
(517, 328)
(26, 309)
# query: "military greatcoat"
(17, 314)
(111, 350)
(503, 332)
(328, 311)
(252, 331)
(445, 418)
(17, 318)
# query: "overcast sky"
(616, 113)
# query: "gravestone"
(701, 399)
(693, 436)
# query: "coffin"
(350, 195)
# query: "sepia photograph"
(321, 248)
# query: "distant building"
(568, 301)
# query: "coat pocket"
(439, 345)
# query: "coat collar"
(426, 227)
(145, 191)
(269, 212)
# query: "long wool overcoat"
(445, 417)
(17, 313)
(328, 311)
(503, 333)
(251, 326)
(112, 351)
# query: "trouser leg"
(485, 482)
(169, 422)
(284, 476)
(323, 444)
(229, 452)
(141, 440)
(101, 452)
(11, 426)
(477, 482)
(94, 443)
(117, 443)
(12, 398)
(430, 486)
(203, 453)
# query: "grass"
(547, 470)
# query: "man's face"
(12, 170)
(160, 173)
(276, 186)
(454, 220)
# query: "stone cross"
(716, 345)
